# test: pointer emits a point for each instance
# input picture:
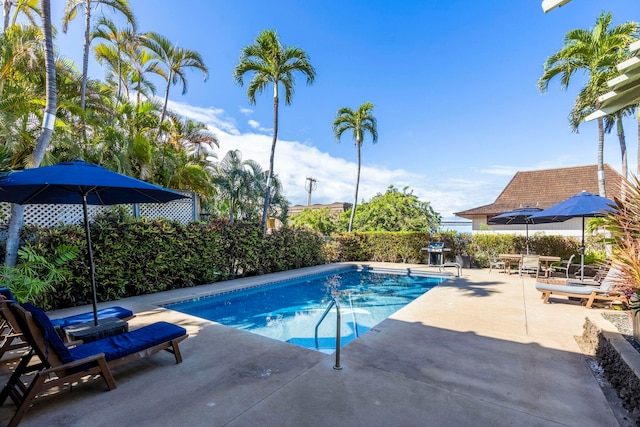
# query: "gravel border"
(622, 322)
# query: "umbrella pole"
(92, 269)
(526, 227)
(582, 254)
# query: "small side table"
(88, 332)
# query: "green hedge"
(406, 247)
(142, 256)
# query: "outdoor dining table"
(514, 260)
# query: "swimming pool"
(289, 310)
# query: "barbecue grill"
(436, 252)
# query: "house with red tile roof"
(543, 188)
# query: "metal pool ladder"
(331, 304)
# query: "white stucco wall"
(572, 227)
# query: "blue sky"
(453, 84)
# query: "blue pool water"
(289, 310)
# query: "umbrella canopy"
(516, 216)
(83, 183)
(582, 205)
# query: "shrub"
(140, 256)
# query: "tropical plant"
(28, 8)
(36, 274)
(624, 226)
(240, 188)
(48, 121)
(319, 220)
(359, 122)
(596, 52)
(396, 210)
(71, 11)
(114, 54)
(587, 102)
(272, 63)
(173, 62)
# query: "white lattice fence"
(183, 210)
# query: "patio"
(477, 350)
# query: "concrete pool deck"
(479, 350)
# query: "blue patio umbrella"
(582, 205)
(516, 216)
(82, 183)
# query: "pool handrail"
(333, 302)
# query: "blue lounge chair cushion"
(6, 293)
(113, 347)
(49, 332)
(119, 312)
(128, 343)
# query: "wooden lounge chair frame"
(11, 338)
(50, 371)
(602, 291)
(596, 294)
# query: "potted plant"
(461, 244)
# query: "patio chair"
(565, 265)
(530, 264)
(587, 293)
(497, 263)
(60, 364)
(11, 339)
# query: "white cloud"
(295, 161)
(246, 111)
(215, 118)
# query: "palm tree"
(29, 8)
(596, 52)
(360, 122)
(114, 54)
(71, 11)
(236, 181)
(587, 102)
(48, 121)
(173, 62)
(272, 63)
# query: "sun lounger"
(60, 364)
(11, 339)
(605, 291)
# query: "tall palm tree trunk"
(85, 52)
(601, 188)
(166, 102)
(7, 10)
(355, 197)
(48, 121)
(267, 191)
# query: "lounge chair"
(11, 339)
(596, 280)
(60, 364)
(586, 292)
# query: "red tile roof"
(544, 188)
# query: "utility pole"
(310, 185)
